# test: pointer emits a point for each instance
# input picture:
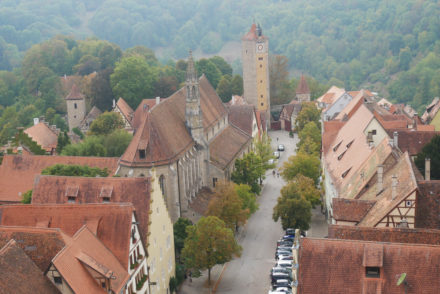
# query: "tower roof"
(191, 72)
(75, 94)
(254, 33)
(303, 87)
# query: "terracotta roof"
(93, 114)
(141, 111)
(337, 266)
(75, 93)
(19, 274)
(17, 172)
(392, 121)
(352, 106)
(303, 87)
(384, 201)
(86, 251)
(412, 141)
(163, 133)
(252, 34)
(236, 100)
(352, 210)
(332, 93)
(349, 148)
(331, 128)
(235, 139)
(40, 244)
(51, 189)
(431, 110)
(427, 205)
(43, 135)
(111, 223)
(395, 235)
(242, 116)
(384, 102)
(125, 109)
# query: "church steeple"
(193, 113)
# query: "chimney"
(395, 139)
(157, 100)
(379, 179)
(36, 121)
(114, 103)
(415, 115)
(427, 169)
(393, 187)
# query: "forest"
(392, 47)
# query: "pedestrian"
(273, 172)
(277, 139)
(190, 277)
(278, 174)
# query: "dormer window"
(106, 193)
(337, 146)
(71, 199)
(142, 154)
(349, 144)
(341, 155)
(372, 272)
(71, 193)
(344, 174)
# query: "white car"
(284, 263)
(276, 154)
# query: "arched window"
(74, 105)
(162, 184)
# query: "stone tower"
(255, 57)
(193, 113)
(303, 91)
(76, 107)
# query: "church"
(188, 140)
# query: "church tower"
(76, 107)
(193, 113)
(255, 57)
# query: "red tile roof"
(43, 135)
(52, 189)
(395, 235)
(19, 274)
(336, 266)
(252, 34)
(141, 111)
(352, 210)
(352, 106)
(332, 94)
(75, 93)
(111, 223)
(125, 109)
(431, 110)
(303, 87)
(427, 205)
(17, 172)
(86, 251)
(242, 116)
(412, 141)
(331, 128)
(40, 244)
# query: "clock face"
(260, 47)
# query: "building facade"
(76, 107)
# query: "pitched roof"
(427, 205)
(411, 141)
(352, 210)
(395, 235)
(84, 252)
(204, 196)
(43, 135)
(19, 274)
(330, 96)
(163, 132)
(303, 87)
(52, 189)
(252, 34)
(125, 109)
(40, 244)
(431, 110)
(236, 100)
(75, 93)
(352, 106)
(93, 114)
(17, 172)
(235, 139)
(384, 201)
(337, 266)
(141, 111)
(242, 116)
(111, 223)
(331, 128)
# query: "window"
(261, 81)
(75, 106)
(262, 104)
(142, 154)
(372, 272)
(214, 181)
(71, 199)
(408, 203)
(57, 280)
(261, 65)
(337, 146)
(373, 132)
(346, 173)
(168, 242)
(106, 199)
(162, 184)
(341, 155)
(261, 96)
(103, 285)
(260, 58)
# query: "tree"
(248, 197)
(263, 150)
(430, 150)
(310, 130)
(308, 113)
(301, 163)
(26, 198)
(133, 79)
(293, 210)
(222, 65)
(308, 146)
(280, 92)
(227, 205)
(74, 171)
(106, 123)
(101, 93)
(209, 242)
(248, 170)
(180, 233)
(116, 143)
(213, 74)
(304, 187)
(63, 140)
(224, 88)
(91, 146)
(237, 85)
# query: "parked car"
(280, 276)
(271, 161)
(276, 154)
(281, 147)
(291, 232)
(284, 263)
(275, 270)
(285, 257)
(282, 284)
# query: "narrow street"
(250, 272)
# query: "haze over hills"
(389, 46)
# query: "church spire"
(191, 72)
(193, 113)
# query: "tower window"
(261, 96)
(57, 280)
(260, 58)
(142, 154)
(262, 104)
(261, 81)
(74, 105)
(261, 65)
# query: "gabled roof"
(337, 266)
(92, 115)
(242, 116)
(142, 110)
(411, 141)
(125, 109)
(427, 205)
(19, 274)
(163, 132)
(395, 235)
(236, 100)
(75, 93)
(86, 251)
(111, 223)
(252, 34)
(43, 135)
(331, 129)
(431, 110)
(40, 244)
(351, 210)
(331, 95)
(303, 87)
(52, 189)
(17, 172)
(406, 184)
(352, 106)
(235, 140)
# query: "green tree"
(263, 150)
(237, 85)
(248, 170)
(106, 123)
(224, 89)
(63, 140)
(180, 234)
(91, 146)
(74, 171)
(222, 65)
(302, 163)
(213, 74)
(308, 113)
(248, 197)
(209, 242)
(116, 143)
(430, 150)
(308, 146)
(101, 93)
(311, 131)
(26, 198)
(280, 92)
(227, 205)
